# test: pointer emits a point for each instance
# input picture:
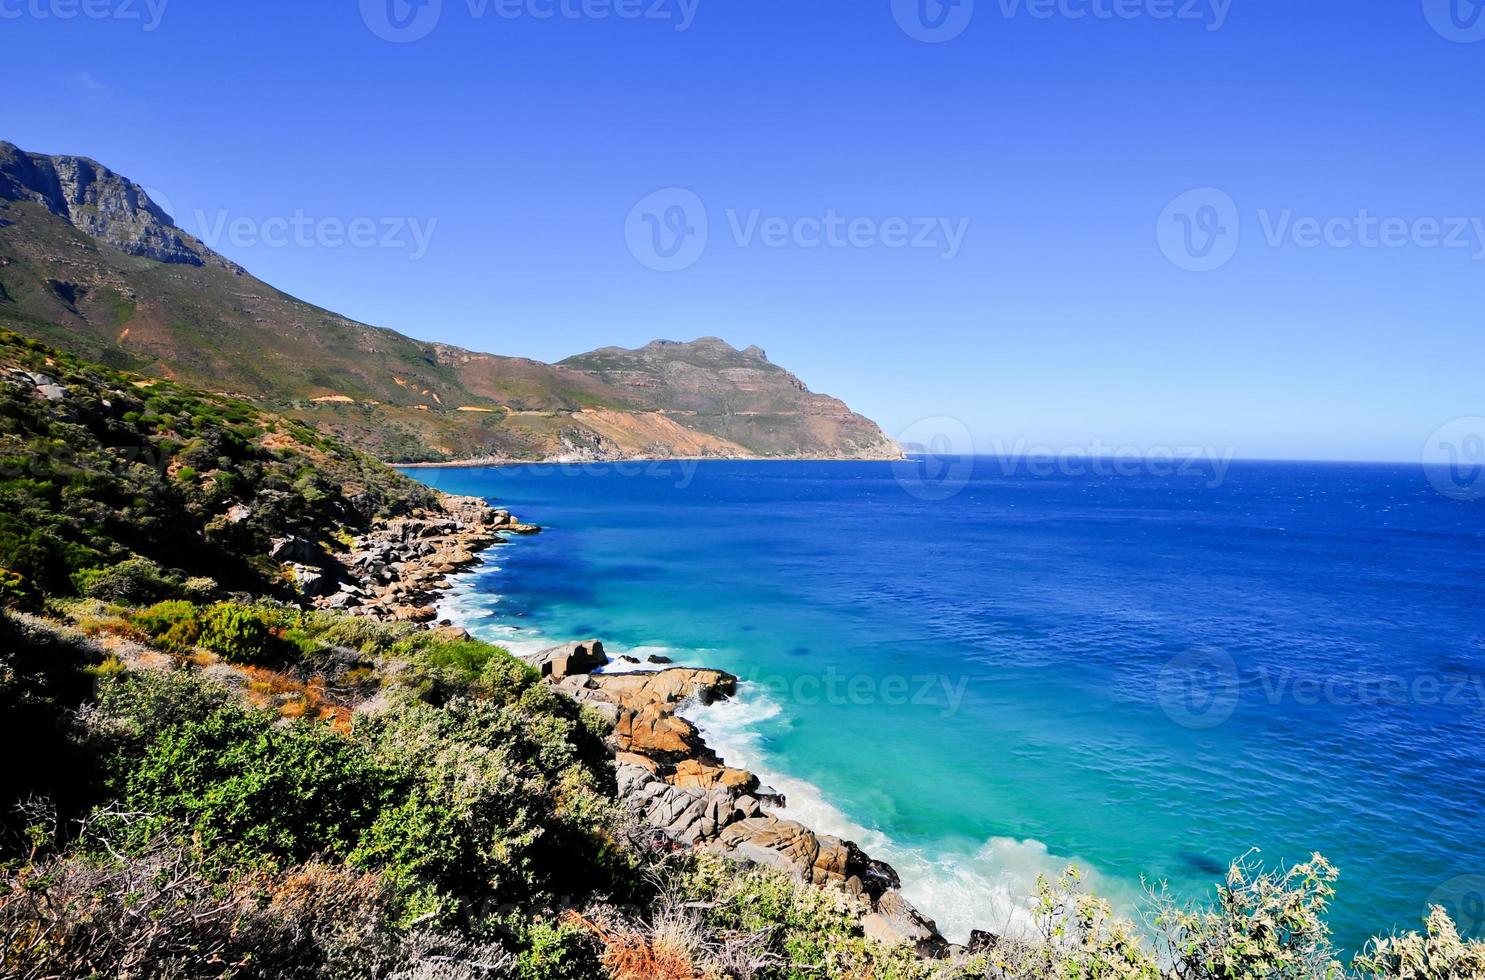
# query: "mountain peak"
(102, 204)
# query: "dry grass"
(665, 951)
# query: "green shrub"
(137, 581)
(1266, 925)
(246, 789)
(559, 952)
(240, 634)
(174, 625)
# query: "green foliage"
(247, 789)
(558, 952)
(1265, 926)
(1438, 955)
(240, 634)
(174, 625)
(85, 485)
(1081, 937)
(136, 581)
(798, 930)
(492, 801)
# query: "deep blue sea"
(984, 672)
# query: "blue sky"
(521, 145)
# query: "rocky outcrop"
(675, 783)
(100, 203)
(398, 570)
(564, 661)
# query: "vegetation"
(127, 489)
(230, 786)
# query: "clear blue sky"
(1059, 322)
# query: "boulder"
(570, 660)
(695, 774)
(292, 549)
(895, 922)
(311, 582)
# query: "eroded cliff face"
(102, 204)
(738, 397)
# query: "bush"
(246, 788)
(1439, 955)
(137, 581)
(559, 952)
(491, 805)
(161, 912)
(1266, 925)
(44, 676)
(174, 625)
(240, 634)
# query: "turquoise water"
(987, 677)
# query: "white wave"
(990, 889)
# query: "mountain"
(90, 264)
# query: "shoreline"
(674, 780)
(496, 462)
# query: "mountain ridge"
(89, 263)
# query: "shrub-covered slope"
(111, 483)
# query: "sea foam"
(988, 889)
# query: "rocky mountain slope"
(90, 264)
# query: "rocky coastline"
(668, 777)
(399, 569)
(673, 781)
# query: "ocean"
(984, 670)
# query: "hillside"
(90, 264)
